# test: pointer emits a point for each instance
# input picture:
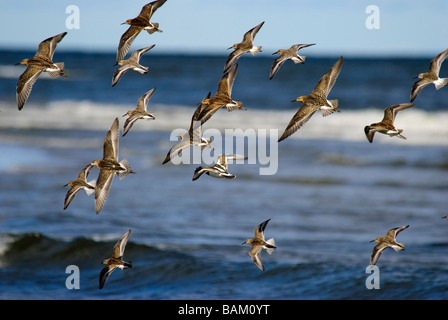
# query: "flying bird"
(194, 135)
(258, 243)
(247, 45)
(139, 23)
(289, 54)
(219, 169)
(316, 100)
(109, 166)
(431, 76)
(42, 61)
(79, 184)
(116, 260)
(222, 98)
(140, 112)
(386, 126)
(388, 241)
(133, 63)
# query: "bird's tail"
(398, 247)
(90, 191)
(155, 29)
(124, 173)
(59, 72)
(270, 245)
(301, 59)
(255, 50)
(399, 135)
(441, 83)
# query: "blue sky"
(406, 28)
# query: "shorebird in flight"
(42, 61)
(247, 45)
(386, 126)
(431, 76)
(109, 166)
(133, 63)
(116, 260)
(139, 23)
(219, 169)
(78, 184)
(388, 241)
(289, 54)
(258, 243)
(140, 112)
(316, 100)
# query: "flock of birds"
(110, 165)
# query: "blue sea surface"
(330, 192)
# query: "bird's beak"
(243, 242)
(372, 240)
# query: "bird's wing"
(395, 231)
(328, 80)
(255, 255)
(149, 9)
(25, 84)
(298, 120)
(71, 193)
(391, 112)
(177, 149)
(225, 85)
(110, 147)
(121, 245)
(126, 41)
(137, 54)
(259, 230)
(102, 188)
(118, 73)
(104, 275)
(232, 58)
(417, 87)
(370, 132)
(142, 102)
(250, 35)
(129, 123)
(276, 65)
(436, 63)
(48, 46)
(376, 253)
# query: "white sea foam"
(419, 126)
(5, 242)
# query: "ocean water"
(328, 193)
